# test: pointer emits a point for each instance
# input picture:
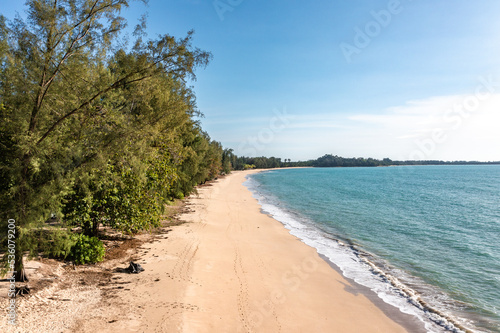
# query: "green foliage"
(115, 197)
(52, 242)
(337, 161)
(228, 160)
(329, 160)
(106, 135)
(242, 163)
(87, 250)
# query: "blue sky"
(298, 79)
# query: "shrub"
(117, 197)
(59, 244)
(51, 242)
(87, 250)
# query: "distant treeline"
(329, 161)
(337, 161)
(244, 163)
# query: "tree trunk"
(20, 273)
(91, 229)
(95, 229)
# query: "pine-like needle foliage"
(104, 134)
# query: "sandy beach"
(230, 268)
(234, 269)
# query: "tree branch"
(121, 82)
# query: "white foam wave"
(355, 265)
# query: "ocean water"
(426, 239)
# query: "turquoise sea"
(426, 239)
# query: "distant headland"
(332, 161)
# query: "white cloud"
(443, 127)
(456, 127)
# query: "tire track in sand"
(184, 263)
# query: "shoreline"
(288, 287)
(251, 275)
(423, 313)
(228, 268)
(410, 322)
